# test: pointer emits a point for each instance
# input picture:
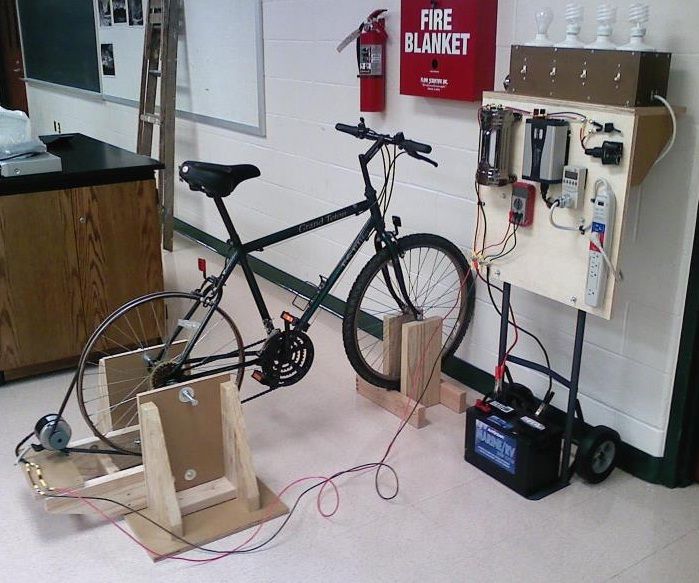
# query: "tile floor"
(448, 523)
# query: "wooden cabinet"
(68, 258)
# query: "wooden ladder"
(160, 64)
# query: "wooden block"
(205, 495)
(126, 486)
(106, 463)
(392, 337)
(207, 525)
(420, 349)
(160, 483)
(394, 402)
(652, 133)
(452, 396)
(193, 434)
(104, 415)
(236, 449)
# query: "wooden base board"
(208, 525)
(452, 396)
(394, 402)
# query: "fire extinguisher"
(371, 40)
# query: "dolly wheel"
(597, 454)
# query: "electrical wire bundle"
(482, 262)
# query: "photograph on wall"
(105, 10)
(107, 51)
(119, 12)
(136, 12)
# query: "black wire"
(492, 286)
(262, 544)
(481, 209)
(363, 467)
(20, 444)
(504, 253)
(514, 245)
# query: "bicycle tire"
(119, 332)
(354, 310)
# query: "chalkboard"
(59, 42)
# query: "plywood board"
(548, 261)
(394, 402)
(208, 525)
(420, 370)
(392, 335)
(193, 434)
(126, 375)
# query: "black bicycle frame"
(239, 251)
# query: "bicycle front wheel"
(140, 344)
(438, 281)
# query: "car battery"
(511, 446)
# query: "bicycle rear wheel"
(140, 344)
(439, 282)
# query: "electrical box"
(448, 48)
(624, 78)
(522, 204)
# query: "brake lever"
(423, 158)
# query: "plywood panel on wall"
(549, 261)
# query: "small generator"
(513, 447)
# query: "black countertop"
(86, 162)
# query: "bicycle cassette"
(286, 358)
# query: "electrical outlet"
(522, 204)
(604, 205)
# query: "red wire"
(325, 480)
(222, 554)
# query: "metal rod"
(504, 321)
(573, 395)
(504, 326)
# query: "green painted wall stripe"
(631, 459)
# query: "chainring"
(286, 358)
(161, 374)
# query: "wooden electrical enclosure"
(623, 78)
(552, 262)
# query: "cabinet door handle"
(83, 220)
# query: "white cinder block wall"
(309, 169)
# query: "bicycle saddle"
(216, 180)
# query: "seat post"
(223, 211)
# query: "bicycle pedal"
(260, 377)
(290, 318)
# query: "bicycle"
(178, 336)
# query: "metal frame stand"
(571, 384)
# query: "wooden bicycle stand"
(196, 479)
(412, 348)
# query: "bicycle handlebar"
(412, 148)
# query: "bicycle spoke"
(138, 325)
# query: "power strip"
(603, 211)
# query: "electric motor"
(53, 432)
